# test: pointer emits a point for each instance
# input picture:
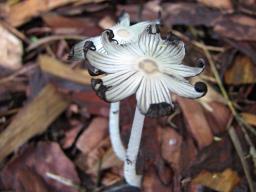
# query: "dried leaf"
(171, 143)
(33, 119)
(151, 182)
(243, 71)
(25, 10)
(24, 177)
(11, 50)
(197, 122)
(55, 67)
(91, 137)
(66, 25)
(189, 14)
(219, 4)
(236, 26)
(249, 118)
(223, 182)
(91, 102)
(42, 158)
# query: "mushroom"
(124, 33)
(151, 68)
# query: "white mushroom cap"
(150, 68)
(123, 32)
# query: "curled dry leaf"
(243, 71)
(11, 50)
(224, 181)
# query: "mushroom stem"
(114, 131)
(133, 148)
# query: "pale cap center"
(148, 66)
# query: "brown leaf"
(197, 122)
(189, 14)
(30, 181)
(23, 11)
(55, 67)
(171, 143)
(151, 182)
(11, 50)
(224, 181)
(218, 117)
(91, 102)
(91, 137)
(66, 25)
(33, 119)
(249, 118)
(243, 71)
(42, 158)
(219, 4)
(236, 26)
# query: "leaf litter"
(54, 129)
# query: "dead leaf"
(197, 122)
(243, 71)
(219, 4)
(42, 158)
(33, 119)
(91, 103)
(224, 181)
(151, 182)
(65, 25)
(249, 118)
(25, 176)
(11, 50)
(189, 14)
(96, 132)
(25, 10)
(55, 67)
(171, 148)
(218, 118)
(236, 26)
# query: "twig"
(45, 40)
(239, 150)
(65, 181)
(23, 70)
(198, 44)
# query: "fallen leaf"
(189, 14)
(249, 118)
(71, 25)
(151, 182)
(171, 148)
(196, 121)
(91, 103)
(219, 117)
(54, 67)
(219, 4)
(23, 11)
(235, 26)
(24, 177)
(222, 181)
(243, 71)
(33, 119)
(95, 132)
(42, 158)
(11, 50)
